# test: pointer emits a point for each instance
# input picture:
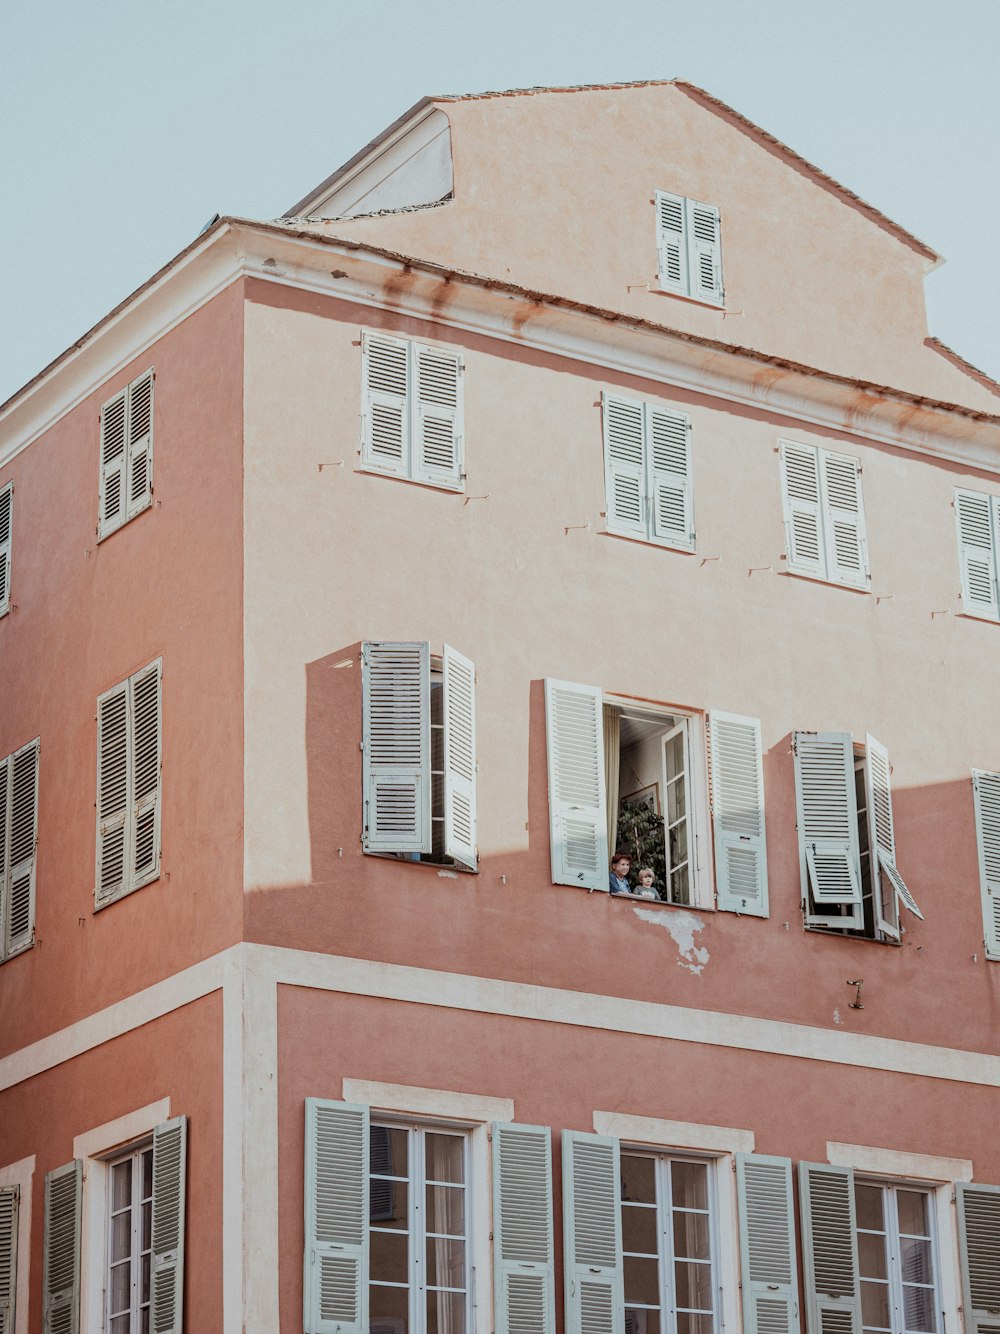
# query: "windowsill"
(841, 934)
(975, 616)
(831, 583)
(648, 542)
(660, 290)
(110, 532)
(124, 893)
(403, 859)
(660, 903)
(414, 481)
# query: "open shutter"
(523, 1248)
(140, 443)
(385, 411)
(847, 543)
(800, 496)
(624, 467)
(396, 742)
(986, 797)
(114, 449)
(829, 1249)
(438, 438)
(767, 1244)
(9, 1198)
(882, 839)
(61, 1292)
(112, 793)
(592, 1234)
(669, 451)
(671, 241)
(574, 734)
(336, 1201)
(459, 686)
(169, 1177)
(977, 553)
(828, 820)
(6, 527)
(705, 246)
(738, 814)
(145, 730)
(4, 846)
(19, 909)
(979, 1250)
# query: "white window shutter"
(625, 467)
(6, 539)
(847, 542)
(385, 411)
(437, 375)
(738, 813)
(829, 1249)
(574, 733)
(979, 1251)
(9, 1202)
(828, 818)
(459, 687)
(882, 837)
(800, 496)
(978, 531)
(114, 452)
(986, 797)
(336, 1218)
(396, 742)
(112, 793)
(169, 1180)
(668, 439)
(140, 443)
(523, 1247)
(61, 1259)
(768, 1269)
(671, 241)
(592, 1234)
(19, 860)
(705, 252)
(145, 728)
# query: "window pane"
(641, 1281)
(389, 1256)
(445, 1312)
(679, 881)
(121, 1288)
(918, 1308)
(144, 1282)
(147, 1174)
(691, 1236)
(446, 1210)
(915, 1261)
(689, 1323)
(388, 1202)
(912, 1207)
(445, 1262)
(679, 843)
(121, 1236)
(871, 1255)
(389, 1304)
(638, 1179)
(868, 1202)
(639, 1230)
(120, 1325)
(689, 1182)
(121, 1184)
(641, 1322)
(693, 1285)
(875, 1305)
(445, 1158)
(144, 1320)
(388, 1148)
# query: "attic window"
(689, 248)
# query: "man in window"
(621, 864)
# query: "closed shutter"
(767, 1244)
(978, 528)
(882, 838)
(385, 411)
(671, 241)
(19, 859)
(847, 544)
(523, 1248)
(169, 1178)
(336, 1223)
(668, 438)
(6, 529)
(145, 729)
(800, 495)
(459, 685)
(986, 798)
(438, 429)
(592, 1234)
(140, 443)
(738, 814)
(574, 733)
(829, 1249)
(979, 1250)
(625, 467)
(705, 247)
(112, 793)
(396, 743)
(9, 1199)
(61, 1259)
(114, 452)
(828, 820)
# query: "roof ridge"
(551, 88)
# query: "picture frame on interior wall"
(646, 796)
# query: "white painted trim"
(105, 1139)
(895, 1163)
(259, 1174)
(428, 1102)
(20, 1174)
(949, 1261)
(728, 1241)
(673, 1134)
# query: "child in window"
(644, 889)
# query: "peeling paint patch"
(448, 875)
(682, 927)
(836, 1016)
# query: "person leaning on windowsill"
(621, 864)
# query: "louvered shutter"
(767, 1244)
(396, 743)
(9, 1199)
(668, 438)
(671, 241)
(847, 543)
(336, 1206)
(978, 528)
(574, 729)
(828, 818)
(143, 839)
(4, 847)
(523, 1248)
(169, 1178)
(625, 467)
(800, 495)
(61, 1279)
(705, 246)
(6, 529)
(112, 793)
(592, 1234)
(979, 1250)
(881, 836)
(459, 685)
(438, 428)
(140, 443)
(114, 452)
(385, 412)
(829, 1249)
(738, 814)
(19, 908)
(986, 798)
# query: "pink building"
(569, 461)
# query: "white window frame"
(934, 1193)
(19, 1176)
(134, 1154)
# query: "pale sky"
(126, 124)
